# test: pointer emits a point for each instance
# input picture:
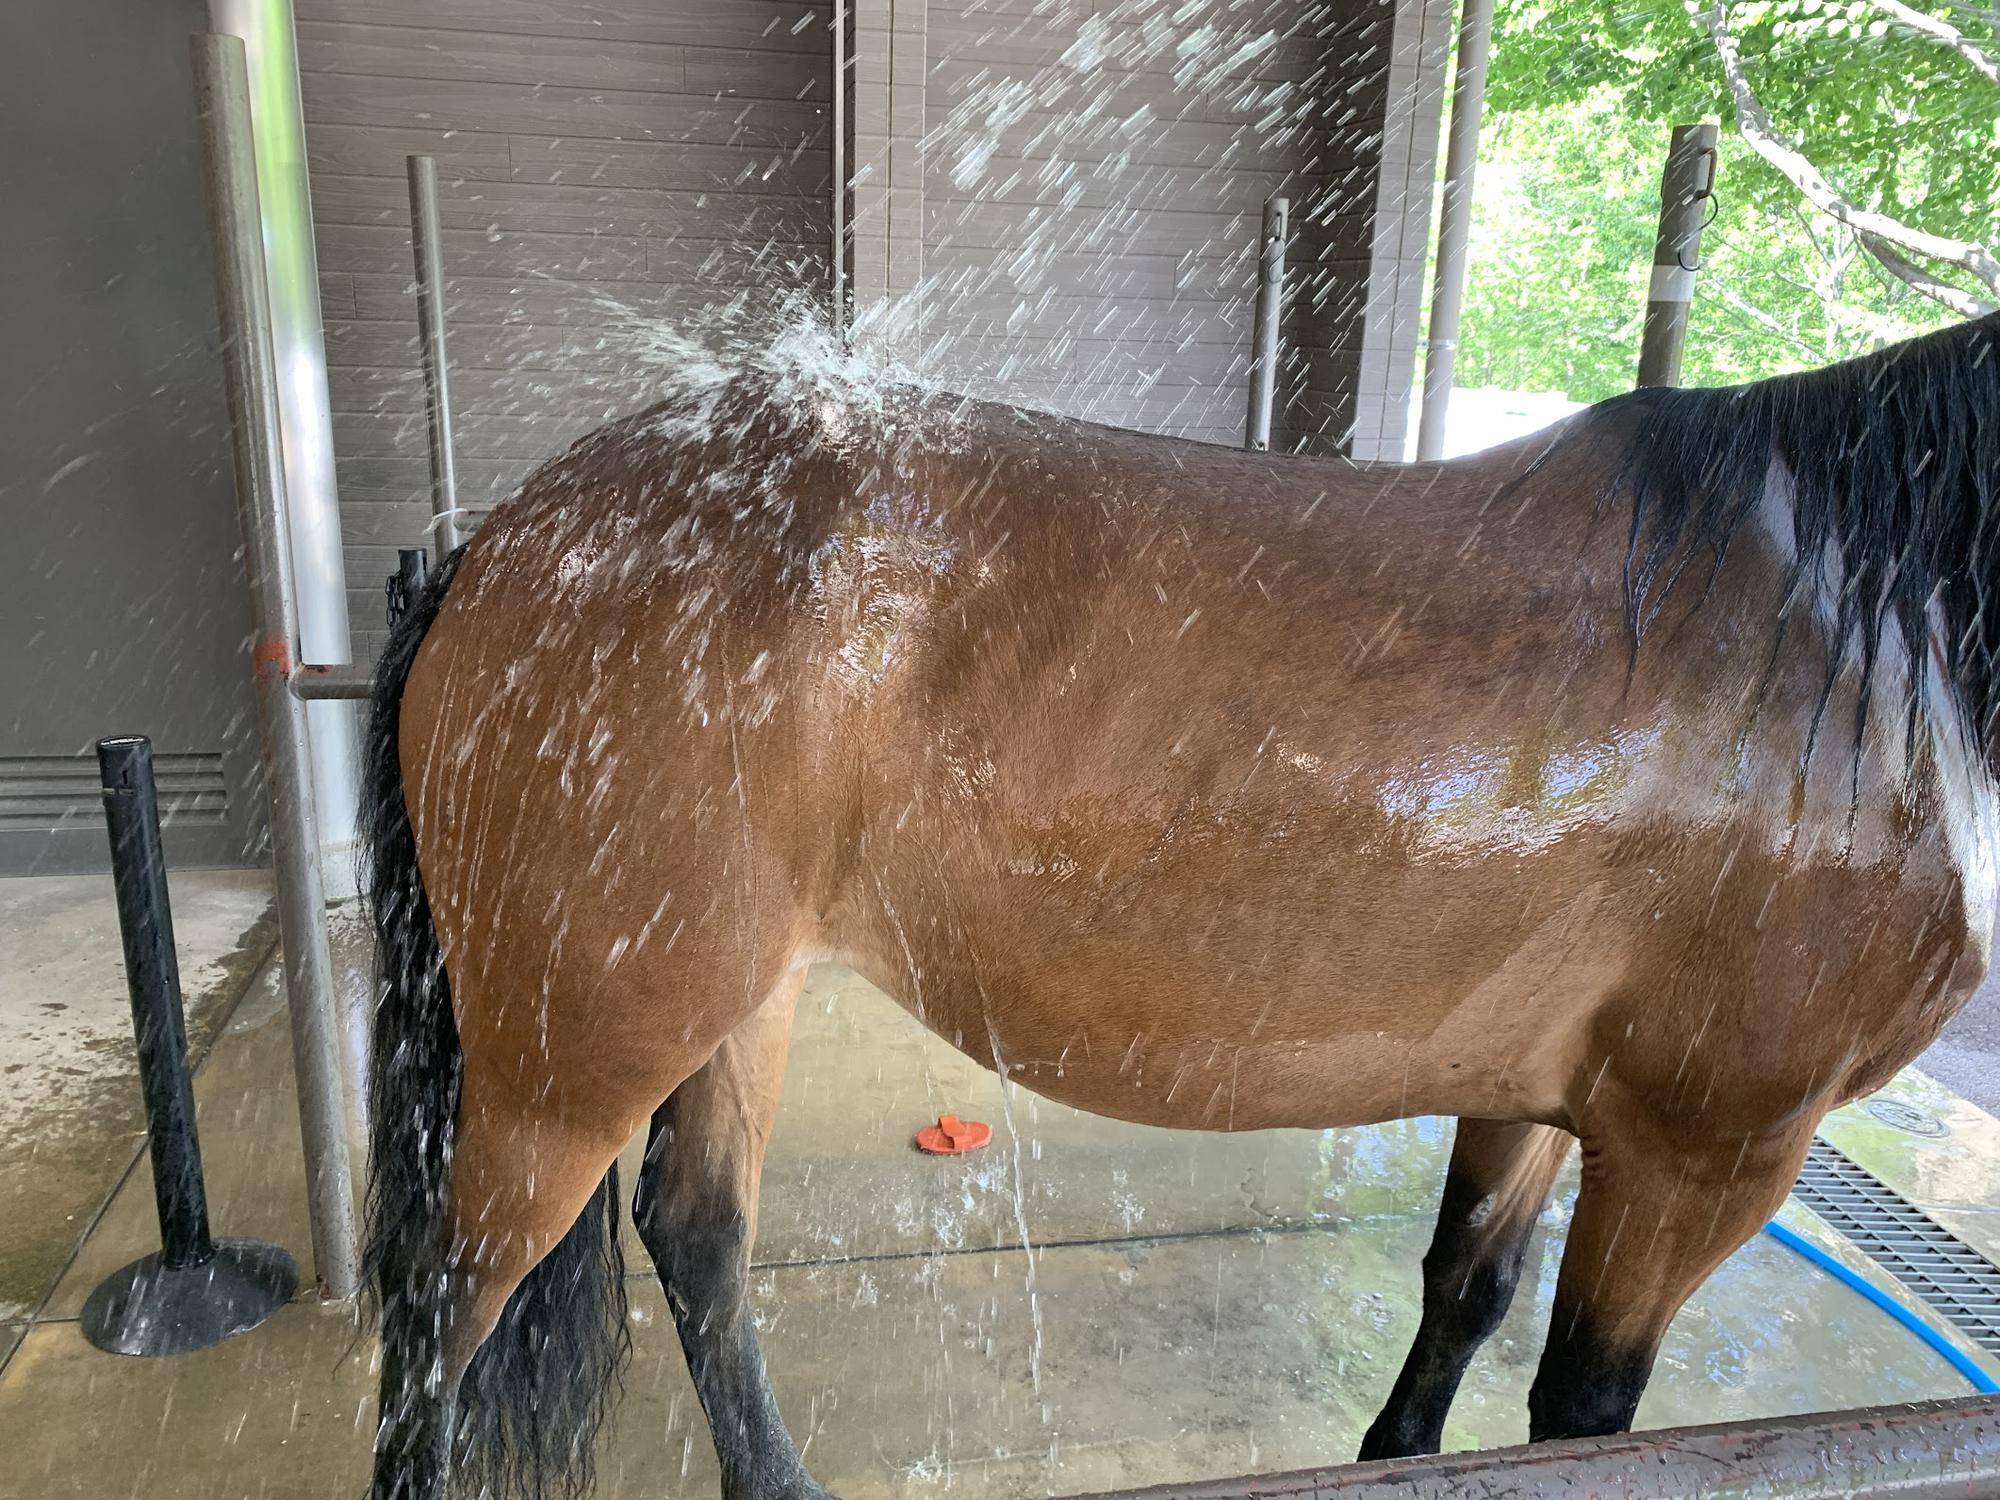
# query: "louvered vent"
(45, 793)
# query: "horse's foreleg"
(1499, 1179)
(696, 1210)
(1660, 1209)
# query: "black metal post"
(152, 974)
(195, 1291)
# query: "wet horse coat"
(1187, 786)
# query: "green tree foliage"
(1581, 97)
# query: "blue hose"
(1981, 1381)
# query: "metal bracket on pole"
(313, 683)
(229, 170)
(1270, 306)
(1687, 188)
(425, 233)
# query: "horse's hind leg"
(696, 1210)
(1660, 1208)
(1498, 1181)
(527, 1247)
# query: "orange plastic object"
(952, 1136)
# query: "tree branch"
(1956, 298)
(1763, 319)
(1755, 123)
(1942, 31)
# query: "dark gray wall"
(601, 162)
(123, 609)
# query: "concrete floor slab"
(1202, 1305)
(283, 1411)
(1938, 1150)
(71, 1120)
(246, 1109)
(1157, 1360)
(1966, 1058)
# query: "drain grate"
(1951, 1277)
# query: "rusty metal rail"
(1932, 1450)
(315, 683)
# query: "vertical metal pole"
(424, 237)
(1468, 103)
(222, 102)
(1270, 305)
(839, 131)
(312, 498)
(1687, 183)
(153, 976)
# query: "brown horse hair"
(539, 1388)
(1894, 460)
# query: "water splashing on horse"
(1192, 787)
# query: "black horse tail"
(530, 1404)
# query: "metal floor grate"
(1952, 1278)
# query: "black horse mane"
(1894, 461)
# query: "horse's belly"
(1267, 1022)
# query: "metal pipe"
(425, 235)
(839, 130)
(1468, 102)
(153, 978)
(1928, 1450)
(315, 684)
(1687, 183)
(249, 357)
(1270, 308)
(195, 1291)
(291, 269)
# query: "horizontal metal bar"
(333, 682)
(1924, 1451)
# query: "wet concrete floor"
(71, 1122)
(1202, 1305)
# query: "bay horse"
(1631, 786)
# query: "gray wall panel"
(601, 166)
(123, 609)
(1094, 174)
(1082, 215)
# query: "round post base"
(151, 1308)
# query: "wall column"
(1404, 190)
(887, 186)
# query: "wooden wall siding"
(603, 164)
(1400, 241)
(887, 177)
(1094, 174)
